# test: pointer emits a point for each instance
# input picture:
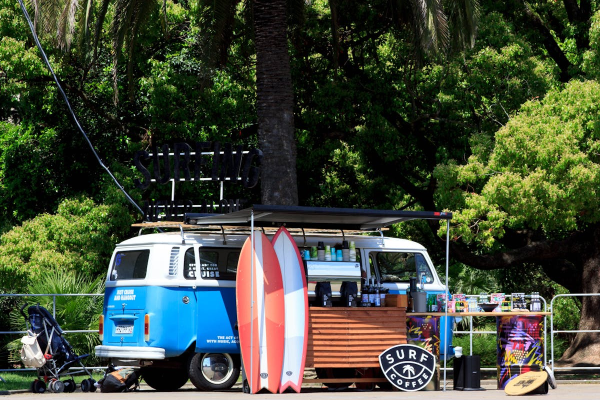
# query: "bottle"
(327, 253)
(321, 252)
(333, 255)
(377, 295)
(345, 251)
(372, 292)
(364, 294)
(339, 256)
(382, 293)
(314, 253)
(352, 252)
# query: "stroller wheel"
(86, 385)
(38, 386)
(92, 385)
(57, 386)
(70, 386)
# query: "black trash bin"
(467, 374)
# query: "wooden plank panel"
(353, 337)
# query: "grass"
(23, 380)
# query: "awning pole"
(447, 295)
(251, 299)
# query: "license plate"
(124, 329)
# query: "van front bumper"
(130, 352)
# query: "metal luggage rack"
(246, 230)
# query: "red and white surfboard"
(261, 314)
(296, 310)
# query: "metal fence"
(552, 331)
(470, 332)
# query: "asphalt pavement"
(571, 390)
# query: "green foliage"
(79, 238)
(469, 280)
(591, 58)
(542, 173)
(72, 312)
(484, 345)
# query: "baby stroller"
(45, 349)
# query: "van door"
(125, 305)
(216, 314)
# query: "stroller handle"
(22, 313)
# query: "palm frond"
(98, 30)
(463, 17)
(431, 25)
(216, 20)
(85, 24)
(66, 25)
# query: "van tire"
(164, 379)
(221, 381)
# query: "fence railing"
(470, 332)
(552, 331)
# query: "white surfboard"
(296, 310)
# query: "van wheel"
(214, 371)
(164, 379)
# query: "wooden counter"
(353, 337)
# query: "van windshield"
(130, 265)
(401, 266)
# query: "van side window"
(209, 264)
(218, 263)
(189, 264)
(400, 267)
(232, 262)
(130, 265)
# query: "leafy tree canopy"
(79, 238)
(542, 173)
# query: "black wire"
(66, 99)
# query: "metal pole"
(471, 335)
(446, 319)
(54, 306)
(251, 298)
(552, 333)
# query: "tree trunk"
(585, 349)
(275, 104)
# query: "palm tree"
(275, 104)
(429, 20)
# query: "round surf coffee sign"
(407, 367)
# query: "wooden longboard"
(525, 383)
(260, 312)
(296, 310)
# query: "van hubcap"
(216, 368)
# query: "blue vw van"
(170, 304)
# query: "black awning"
(314, 217)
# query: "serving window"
(401, 266)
